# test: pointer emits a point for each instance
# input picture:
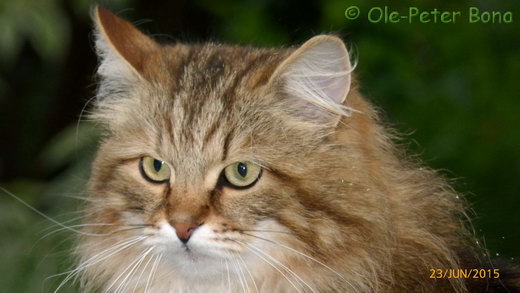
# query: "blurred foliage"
(452, 87)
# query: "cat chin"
(193, 267)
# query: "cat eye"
(153, 170)
(242, 174)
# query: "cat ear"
(315, 80)
(122, 48)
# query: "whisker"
(306, 256)
(130, 265)
(79, 120)
(152, 272)
(228, 276)
(82, 214)
(282, 265)
(141, 274)
(96, 259)
(101, 242)
(55, 253)
(268, 231)
(140, 259)
(63, 226)
(134, 226)
(248, 271)
(38, 212)
(222, 274)
(243, 274)
(268, 262)
(239, 271)
(64, 222)
(83, 198)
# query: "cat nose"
(184, 230)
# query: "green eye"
(242, 174)
(155, 171)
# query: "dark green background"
(453, 89)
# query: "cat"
(238, 169)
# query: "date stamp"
(464, 273)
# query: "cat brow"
(227, 141)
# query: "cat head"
(215, 153)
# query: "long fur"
(338, 208)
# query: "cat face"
(220, 159)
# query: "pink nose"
(184, 230)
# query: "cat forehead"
(209, 82)
(198, 94)
(211, 66)
(206, 93)
(198, 86)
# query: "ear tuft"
(316, 78)
(120, 45)
(125, 56)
